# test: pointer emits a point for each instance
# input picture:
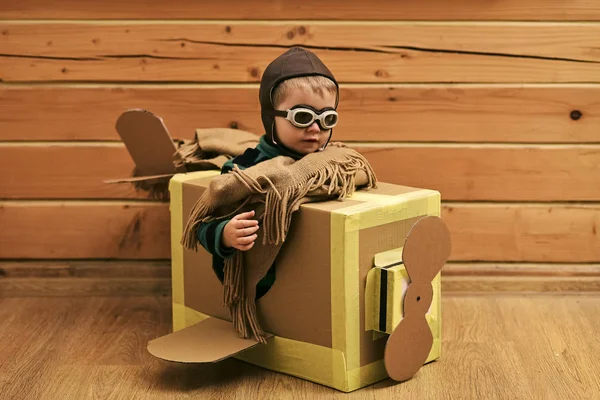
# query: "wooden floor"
(494, 347)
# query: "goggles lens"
(303, 117)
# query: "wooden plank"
(520, 269)
(480, 232)
(66, 171)
(73, 230)
(482, 113)
(502, 173)
(139, 278)
(80, 287)
(85, 269)
(517, 232)
(465, 172)
(239, 52)
(520, 278)
(517, 284)
(309, 9)
(162, 269)
(470, 284)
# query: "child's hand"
(240, 232)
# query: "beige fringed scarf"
(275, 189)
(210, 148)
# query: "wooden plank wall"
(495, 104)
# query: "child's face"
(303, 140)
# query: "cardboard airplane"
(357, 292)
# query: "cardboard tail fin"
(148, 142)
(152, 150)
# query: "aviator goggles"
(303, 116)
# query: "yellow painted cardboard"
(340, 366)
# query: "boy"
(298, 97)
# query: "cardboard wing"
(207, 341)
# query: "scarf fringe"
(198, 214)
(242, 307)
(281, 205)
(233, 282)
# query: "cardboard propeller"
(426, 249)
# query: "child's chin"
(307, 147)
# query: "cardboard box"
(324, 314)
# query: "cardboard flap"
(389, 258)
(208, 341)
(148, 142)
